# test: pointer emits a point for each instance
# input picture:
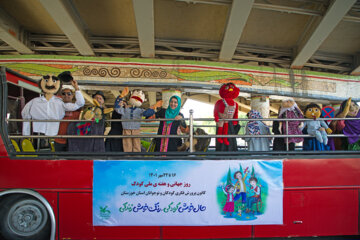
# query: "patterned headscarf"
(172, 113)
(253, 126)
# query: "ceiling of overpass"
(319, 35)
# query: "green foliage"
(228, 181)
(38, 69)
(242, 124)
(221, 197)
(145, 144)
(205, 76)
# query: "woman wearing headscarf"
(257, 127)
(170, 127)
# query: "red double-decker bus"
(49, 195)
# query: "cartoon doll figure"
(133, 111)
(226, 108)
(240, 187)
(257, 127)
(316, 128)
(289, 109)
(229, 205)
(253, 194)
(50, 107)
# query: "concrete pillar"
(261, 104)
(152, 98)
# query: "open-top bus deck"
(49, 194)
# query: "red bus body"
(321, 198)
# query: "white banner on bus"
(187, 193)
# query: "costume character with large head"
(289, 109)
(226, 108)
(316, 128)
(257, 127)
(133, 111)
(351, 128)
(48, 106)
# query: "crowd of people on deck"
(58, 103)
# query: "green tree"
(252, 171)
(228, 181)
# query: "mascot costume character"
(133, 112)
(316, 128)
(227, 108)
(289, 109)
(350, 128)
(48, 106)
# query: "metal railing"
(190, 135)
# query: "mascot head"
(229, 90)
(137, 98)
(288, 102)
(312, 111)
(51, 85)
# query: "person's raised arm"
(80, 101)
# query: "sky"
(201, 110)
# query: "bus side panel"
(75, 221)
(316, 213)
(51, 197)
(207, 232)
(3, 152)
(56, 174)
(321, 172)
(15, 79)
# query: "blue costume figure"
(316, 128)
(133, 112)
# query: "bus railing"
(190, 135)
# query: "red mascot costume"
(226, 108)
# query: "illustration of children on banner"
(229, 205)
(243, 197)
